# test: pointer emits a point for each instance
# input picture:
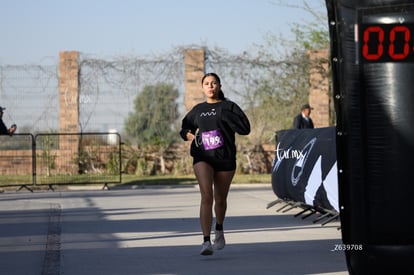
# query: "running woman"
(211, 128)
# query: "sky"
(35, 31)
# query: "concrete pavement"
(155, 230)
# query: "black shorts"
(218, 164)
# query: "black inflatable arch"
(372, 57)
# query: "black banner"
(304, 167)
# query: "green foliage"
(277, 97)
(310, 36)
(155, 111)
(113, 166)
(49, 160)
(48, 155)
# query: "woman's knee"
(207, 199)
(220, 201)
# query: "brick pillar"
(68, 111)
(194, 71)
(68, 92)
(319, 97)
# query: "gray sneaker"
(219, 241)
(206, 249)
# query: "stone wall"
(319, 97)
(16, 162)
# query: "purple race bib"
(212, 139)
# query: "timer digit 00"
(387, 43)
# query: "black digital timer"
(387, 42)
(386, 37)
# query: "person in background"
(3, 128)
(211, 128)
(303, 120)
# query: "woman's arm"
(236, 119)
(187, 127)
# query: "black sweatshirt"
(215, 125)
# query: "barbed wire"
(30, 94)
(108, 86)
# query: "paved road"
(155, 230)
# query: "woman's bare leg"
(205, 176)
(222, 181)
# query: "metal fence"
(60, 159)
(16, 160)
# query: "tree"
(277, 96)
(155, 111)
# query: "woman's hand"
(189, 136)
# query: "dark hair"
(220, 94)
